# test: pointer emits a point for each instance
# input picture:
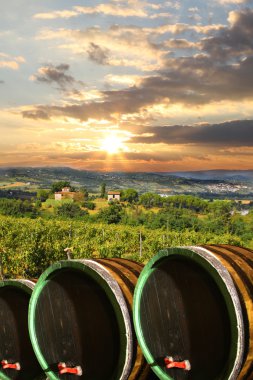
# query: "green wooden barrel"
(17, 359)
(193, 313)
(80, 320)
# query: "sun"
(112, 144)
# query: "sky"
(127, 85)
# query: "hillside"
(206, 183)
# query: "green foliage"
(149, 200)
(103, 190)
(221, 208)
(15, 207)
(186, 201)
(70, 210)
(43, 195)
(129, 195)
(58, 186)
(111, 214)
(38, 203)
(89, 205)
(85, 193)
(28, 247)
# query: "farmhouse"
(113, 195)
(67, 194)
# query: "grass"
(100, 203)
(11, 185)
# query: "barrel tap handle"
(73, 370)
(69, 251)
(7, 365)
(171, 363)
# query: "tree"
(129, 195)
(221, 209)
(85, 193)
(89, 205)
(70, 210)
(149, 200)
(186, 201)
(14, 207)
(111, 214)
(42, 195)
(58, 186)
(103, 190)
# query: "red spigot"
(171, 363)
(7, 365)
(73, 370)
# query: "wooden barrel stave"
(227, 265)
(121, 274)
(239, 262)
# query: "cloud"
(118, 45)
(225, 2)
(55, 74)
(180, 43)
(55, 14)
(235, 40)
(129, 80)
(234, 133)
(160, 15)
(2, 81)
(9, 64)
(115, 10)
(13, 63)
(191, 81)
(180, 28)
(219, 69)
(36, 114)
(98, 54)
(130, 8)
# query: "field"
(11, 185)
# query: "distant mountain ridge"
(232, 182)
(234, 175)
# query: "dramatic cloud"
(166, 76)
(55, 74)
(235, 40)
(234, 133)
(190, 82)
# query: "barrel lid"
(102, 277)
(23, 284)
(214, 269)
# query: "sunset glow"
(127, 85)
(112, 144)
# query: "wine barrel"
(17, 359)
(193, 313)
(80, 321)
